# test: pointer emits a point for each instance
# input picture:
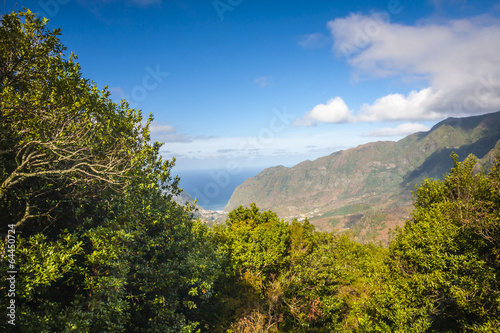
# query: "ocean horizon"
(213, 188)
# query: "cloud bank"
(459, 60)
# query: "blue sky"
(245, 84)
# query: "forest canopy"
(94, 242)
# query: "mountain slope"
(371, 182)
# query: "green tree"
(301, 239)
(100, 243)
(62, 140)
(445, 262)
(323, 292)
(258, 241)
(256, 244)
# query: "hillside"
(367, 189)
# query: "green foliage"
(444, 262)
(328, 284)
(295, 280)
(63, 141)
(258, 242)
(301, 239)
(100, 244)
(438, 274)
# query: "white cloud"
(334, 111)
(417, 105)
(401, 130)
(459, 60)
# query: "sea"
(213, 188)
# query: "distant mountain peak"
(467, 123)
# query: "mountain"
(367, 189)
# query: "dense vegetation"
(100, 246)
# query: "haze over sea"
(213, 188)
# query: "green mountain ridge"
(367, 189)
